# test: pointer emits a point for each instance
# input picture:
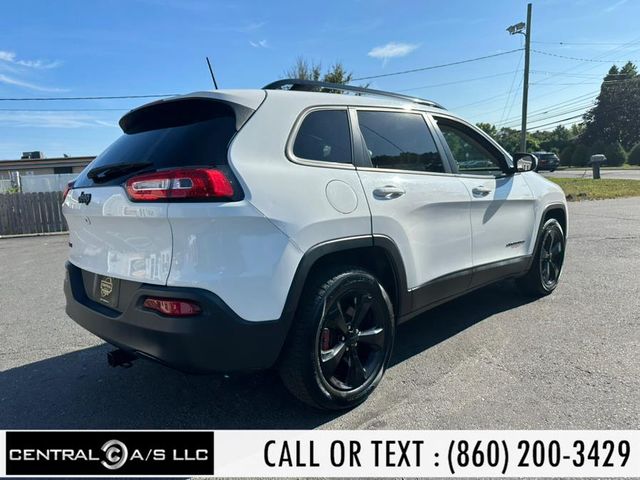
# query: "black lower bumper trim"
(215, 340)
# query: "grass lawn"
(589, 189)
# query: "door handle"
(388, 192)
(481, 191)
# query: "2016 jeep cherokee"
(291, 227)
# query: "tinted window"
(194, 144)
(324, 135)
(468, 150)
(399, 141)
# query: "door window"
(324, 136)
(399, 141)
(469, 150)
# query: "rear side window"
(324, 136)
(170, 139)
(400, 141)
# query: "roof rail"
(315, 86)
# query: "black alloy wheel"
(351, 340)
(340, 341)
(544, 274)
(551, 257)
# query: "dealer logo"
(115, 454)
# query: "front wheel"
(341, 340)
(544, 273)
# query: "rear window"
(324, 136)
(164, 141)
(547, 156)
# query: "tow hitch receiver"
(120, 358)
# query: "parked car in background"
(547, 161)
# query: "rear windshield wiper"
(102, 174)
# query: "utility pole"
(525, 84)
(524, 29)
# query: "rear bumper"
(215, 340)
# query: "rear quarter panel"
(292, 195)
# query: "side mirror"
(525, 162)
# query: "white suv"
(296, 227)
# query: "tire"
(341, 340)
(545, 271)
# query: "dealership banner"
(321, 453)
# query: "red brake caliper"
(325, 339)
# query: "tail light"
(184, 183)
(67, 189)
(172, 307)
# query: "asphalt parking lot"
(491, 359)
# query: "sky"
(71, 48)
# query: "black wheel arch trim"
(320, 250)
(543, 219)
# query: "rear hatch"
(116, 229)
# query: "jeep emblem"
(84, 198)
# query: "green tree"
(634, 155)
(566, 154)
(509, 138)
(576, 130)
(616, 156)
(337, 74)
(596, 148)
(555, 140)
(580, 156)
(488, 128)
(304, 69)
(614, 118)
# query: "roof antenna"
(213, 77)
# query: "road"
(491, 359)
(630, 174)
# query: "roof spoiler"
(183, 109)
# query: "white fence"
(45, 183)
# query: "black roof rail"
(316, 86)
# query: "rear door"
(502, 205)
(416, 200)
(114, 236)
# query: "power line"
(480, 101)
(104, 97)
(457, 82)
(558, 106)
(583, 75)
(543, 117)
(579, 59)
(513, 81)
(607, 52)
(433, 67)
(557, 122)
(579, 43)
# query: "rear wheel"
(544, 274)
(341, 340)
